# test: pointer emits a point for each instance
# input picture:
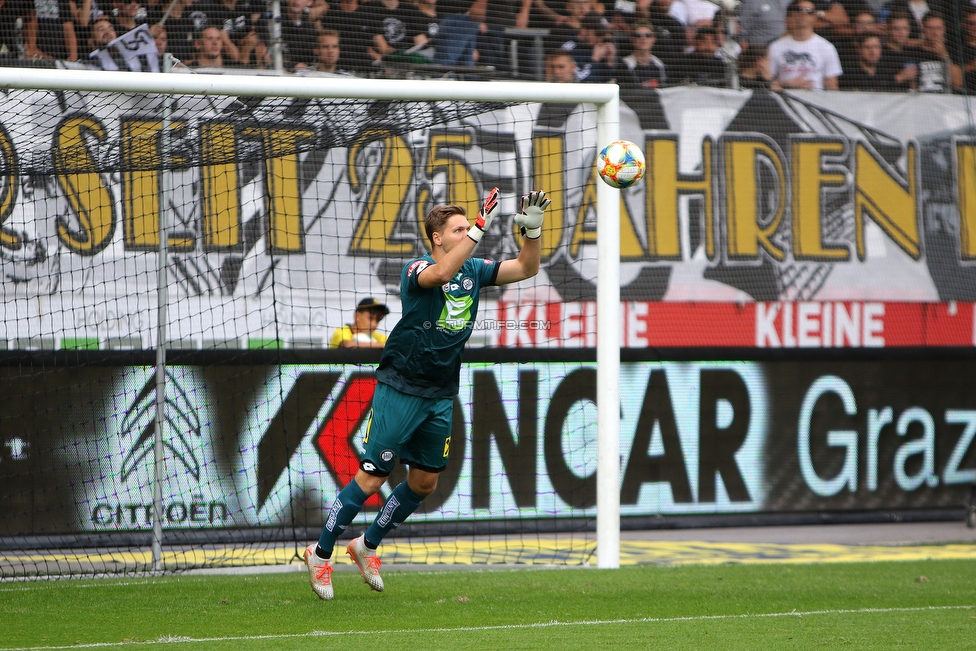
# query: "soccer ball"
(621, 164)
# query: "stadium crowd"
(893, 45)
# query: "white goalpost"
(603, 96)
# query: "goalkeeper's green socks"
(399, 505)
(347, 504)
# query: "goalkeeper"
(418, 377)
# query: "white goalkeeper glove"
(489, 210)
(531, 211)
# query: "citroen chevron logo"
(181, 429)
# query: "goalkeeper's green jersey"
(422, 356)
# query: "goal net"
(276, 214)
(181, 249)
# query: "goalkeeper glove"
(488, 211)
(533, 205)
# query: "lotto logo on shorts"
(386, 455)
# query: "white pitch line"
(180, 639)
(31, 588)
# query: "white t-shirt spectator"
(813, 59)
(691, 12)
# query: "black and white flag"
(134, 51)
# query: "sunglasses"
(804, 10)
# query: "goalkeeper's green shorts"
(417, 430)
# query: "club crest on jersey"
(468, 284)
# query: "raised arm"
(530, 218)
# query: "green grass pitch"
(884, 605)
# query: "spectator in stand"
(670, 38)
(507, 13)
(240, 20)
(898, 28)
(596, 58)
(753, 65)
(969, 49)
(550, 13)
(834, 17)
(395, 26)
(298, 35)
(693, 14)
(604, 9)
(161, 39)
(761, 21)
(562, 34)
(568, 26)
(500, 14)
(183, 24)
(11, 11)
(728, 48)
(640, 68)
(134, 50)
(102, 33)
(210, 48)
(592, 47)
(896, 61)
(362, 332)
(84, 13)
(916, 10)
(560, 68)
(347, 18)
(937, 72)
(864, 73)
(631, 11)
(431, 17)
(455, 41)
(621, 16)
(802, 58)
(318, 9)
(154, 10)
(848, 45)
(127, 15)
(701, 66)
(328, 53)
(49, 32)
